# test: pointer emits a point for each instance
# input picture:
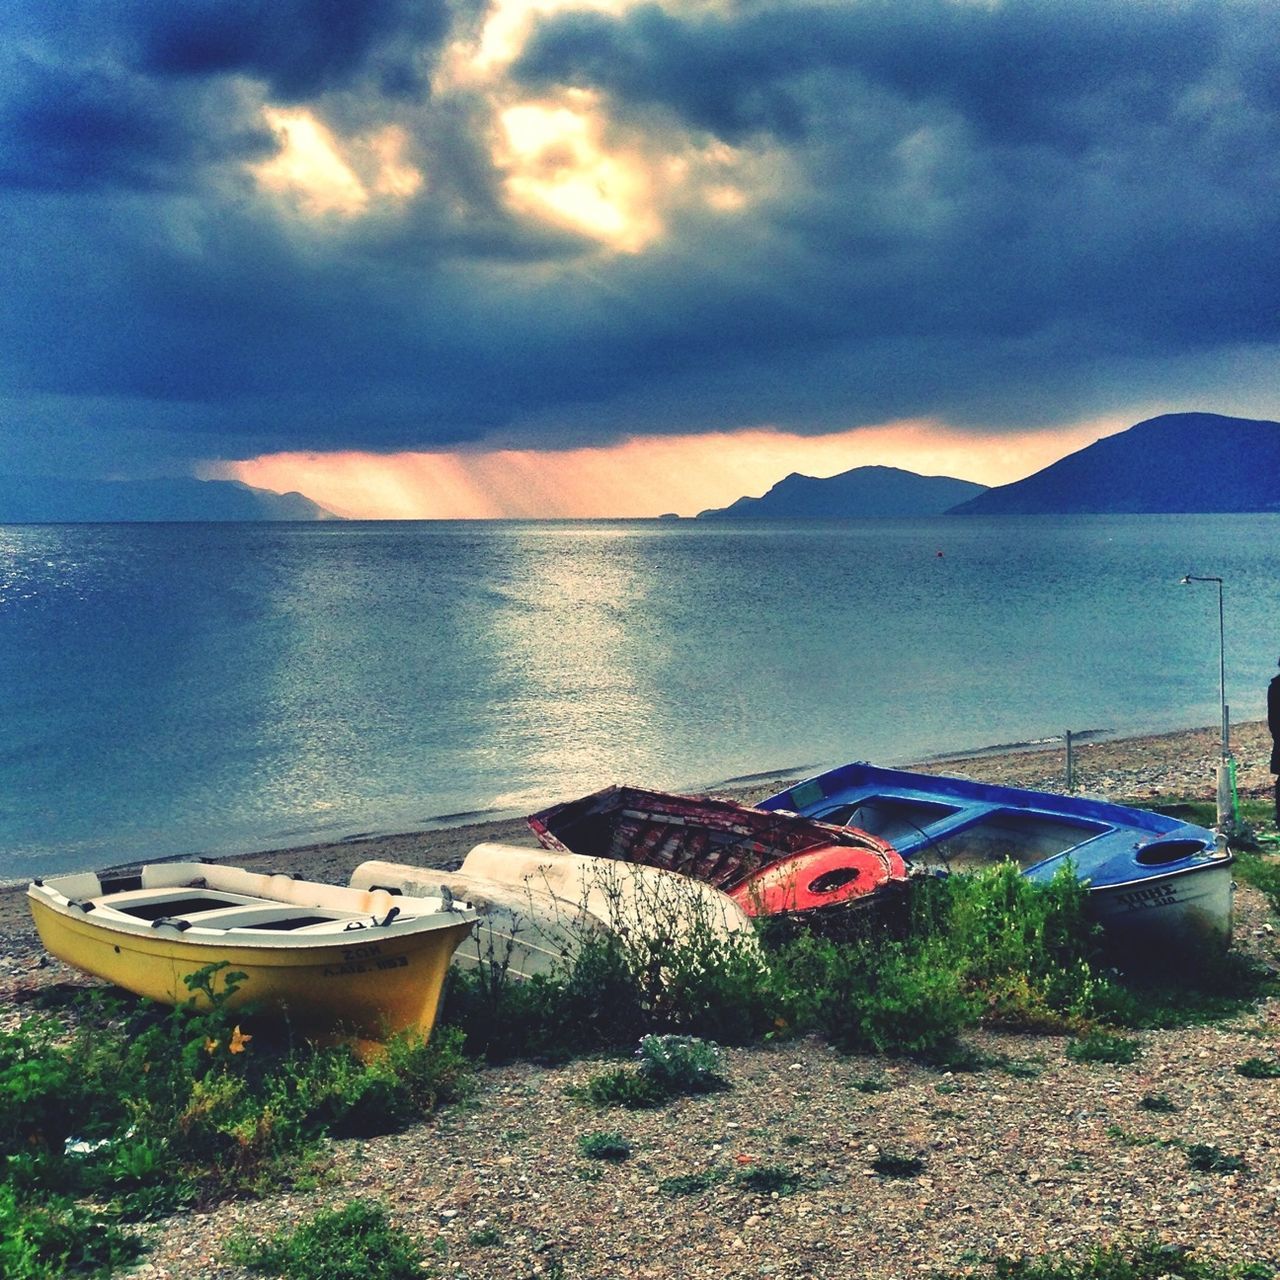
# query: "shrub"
(770, 1179)
(353, 1243)
(604, 1146)
(1258, 1069)
(689, 1184)
(1102, 1046)
(889, 1164)
(625, 1088)
(682, 1064)
(1207, 1159)
(1157, 1102)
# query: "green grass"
(353, 1243)
(139, 1110)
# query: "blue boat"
(1153, 881)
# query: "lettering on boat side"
(364, 959)
(1155, 895)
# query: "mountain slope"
(1178, 462)
(864, 491)
(38, 500)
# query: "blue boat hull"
(1153, 882)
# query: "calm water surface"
(199, 688)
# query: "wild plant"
(893, 1164)
(612, 1147)
(356, 1242)
(770, 1179)
(1141, 1260)
(1103, 1046)
(682, 1064)
(52, 1238)
(1258, 1069)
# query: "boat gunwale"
(100, 914)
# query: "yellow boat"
(334, 962)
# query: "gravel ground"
(1058, 1156)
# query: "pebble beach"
(1049, 1155)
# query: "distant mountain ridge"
(862, 492)
(38, 500)
(1177, 462)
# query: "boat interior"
(963, 836)
(217, 898)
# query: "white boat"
(536, 906)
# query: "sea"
(183, 689)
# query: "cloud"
(238, 227)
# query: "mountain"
(40, 500)
(864, 491)
(1178, 462)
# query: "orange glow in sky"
(643, 476)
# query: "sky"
(545, 257)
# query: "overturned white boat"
(536, 907)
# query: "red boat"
(770, 863)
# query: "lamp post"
(1226, 791)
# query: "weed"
(142, 1109)
(1157, 1102)
(1207, 1159)
(682, 1064)
(57, 1238)
(353, 1243)
(1103, 1046)
(889, 1164)
(604, 1146)
(669, 1066)
(871, 1084)
(689, 1184)
(1125, 1138)
(770, 1179)
(1258, 1069)
(955, 1056)
(1144, 1260)
(1262, 873)
(624, 1088)
(485, 1238)
(1019, 1070)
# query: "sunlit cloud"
(324, 174)
(309, 167)
(557, 167)
(642, 477)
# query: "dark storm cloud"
(299, 48)
(1021, 71)
(992, 213)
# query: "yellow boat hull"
(359, 989)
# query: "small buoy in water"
(939, 555)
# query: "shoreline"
(1029, 764)
(1139, 767)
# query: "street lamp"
(1226, 789)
